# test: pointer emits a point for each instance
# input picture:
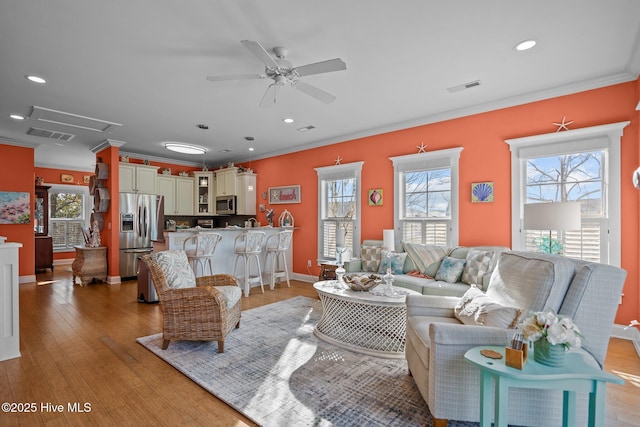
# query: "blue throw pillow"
(451, 269)
(395, 260)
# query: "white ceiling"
(143, 64)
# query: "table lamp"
(561, 216)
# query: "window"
(579, 165)
(69, 214)
(339, 202)
(426, 202)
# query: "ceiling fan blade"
(321, 67)
(260, 52)
(269, 98)
(314, 92)
(236, 77)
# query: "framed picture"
(66, 178)
(87, 179)
(375, 197)
(482, 192)
(15, 207)
(284, 195)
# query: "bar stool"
(205, 246)
(248, 246)
(277, 246)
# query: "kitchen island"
(224, 257)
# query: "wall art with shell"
(482, 192)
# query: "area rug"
(277, 373)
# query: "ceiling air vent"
(44, 133)
(464, 86)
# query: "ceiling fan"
(282, 72)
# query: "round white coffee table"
(363, 322)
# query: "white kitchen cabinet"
(178, 192)
(246, 189)
(226, 182)
(138, 178)
(205, 193)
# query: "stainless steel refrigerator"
(141, 224)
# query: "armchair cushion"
(476, 308)
(176, 269)
(450, 269)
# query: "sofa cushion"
(478, 264)
(424, 256)
(418, 333)
(450, 270)
(393, 260)
(176, 269)
(531, 281)
(476, 308)
(370, 258)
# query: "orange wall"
(16, 174)
(486, 157)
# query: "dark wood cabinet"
(44, 252)
(44, 242)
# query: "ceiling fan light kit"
(282, 72)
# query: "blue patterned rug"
(277, 373)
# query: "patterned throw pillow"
(176, 268)
(478, 264)
(395, 260)
(424, 255)
(370, 258)
(450, 269)
(476, 308)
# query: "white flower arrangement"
(556, 329)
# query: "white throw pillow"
(478, 264)
(476, 308)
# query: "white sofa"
(587, 292)
(424, 285)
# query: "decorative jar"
(549, 354)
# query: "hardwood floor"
(78, 347)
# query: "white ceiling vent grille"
(44, 133)
(464, 86)
(74, 120)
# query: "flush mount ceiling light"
(16, 116)
(35, 79)
(180, 147)
(525, 45)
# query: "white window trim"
(429, 160)
(88, 206)
(348, 170)
(603, 137)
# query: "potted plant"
(552, 335)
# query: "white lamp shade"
(388, 240)
(552, 216)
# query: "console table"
(363, 322)
(90, 264)
(575, 376)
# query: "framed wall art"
(15, 207)
(482, 192)
(66, 178)
(284, 195)
(375, 197)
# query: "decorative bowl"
(361, 282)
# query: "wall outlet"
(308, 263)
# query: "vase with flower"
(552, 335)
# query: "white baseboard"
(632, 334)
(304, 277)
(27, 279)
(66, 261)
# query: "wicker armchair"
(207, 312)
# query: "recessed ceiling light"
(16, 116)
(35, 79)
(183, 148)
(287, 120)
(525, 45)
(251, 148)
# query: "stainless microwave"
(226, 205)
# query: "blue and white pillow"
(451, 269)
(395, 260)
(175, 266)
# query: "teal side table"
(575, 376)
